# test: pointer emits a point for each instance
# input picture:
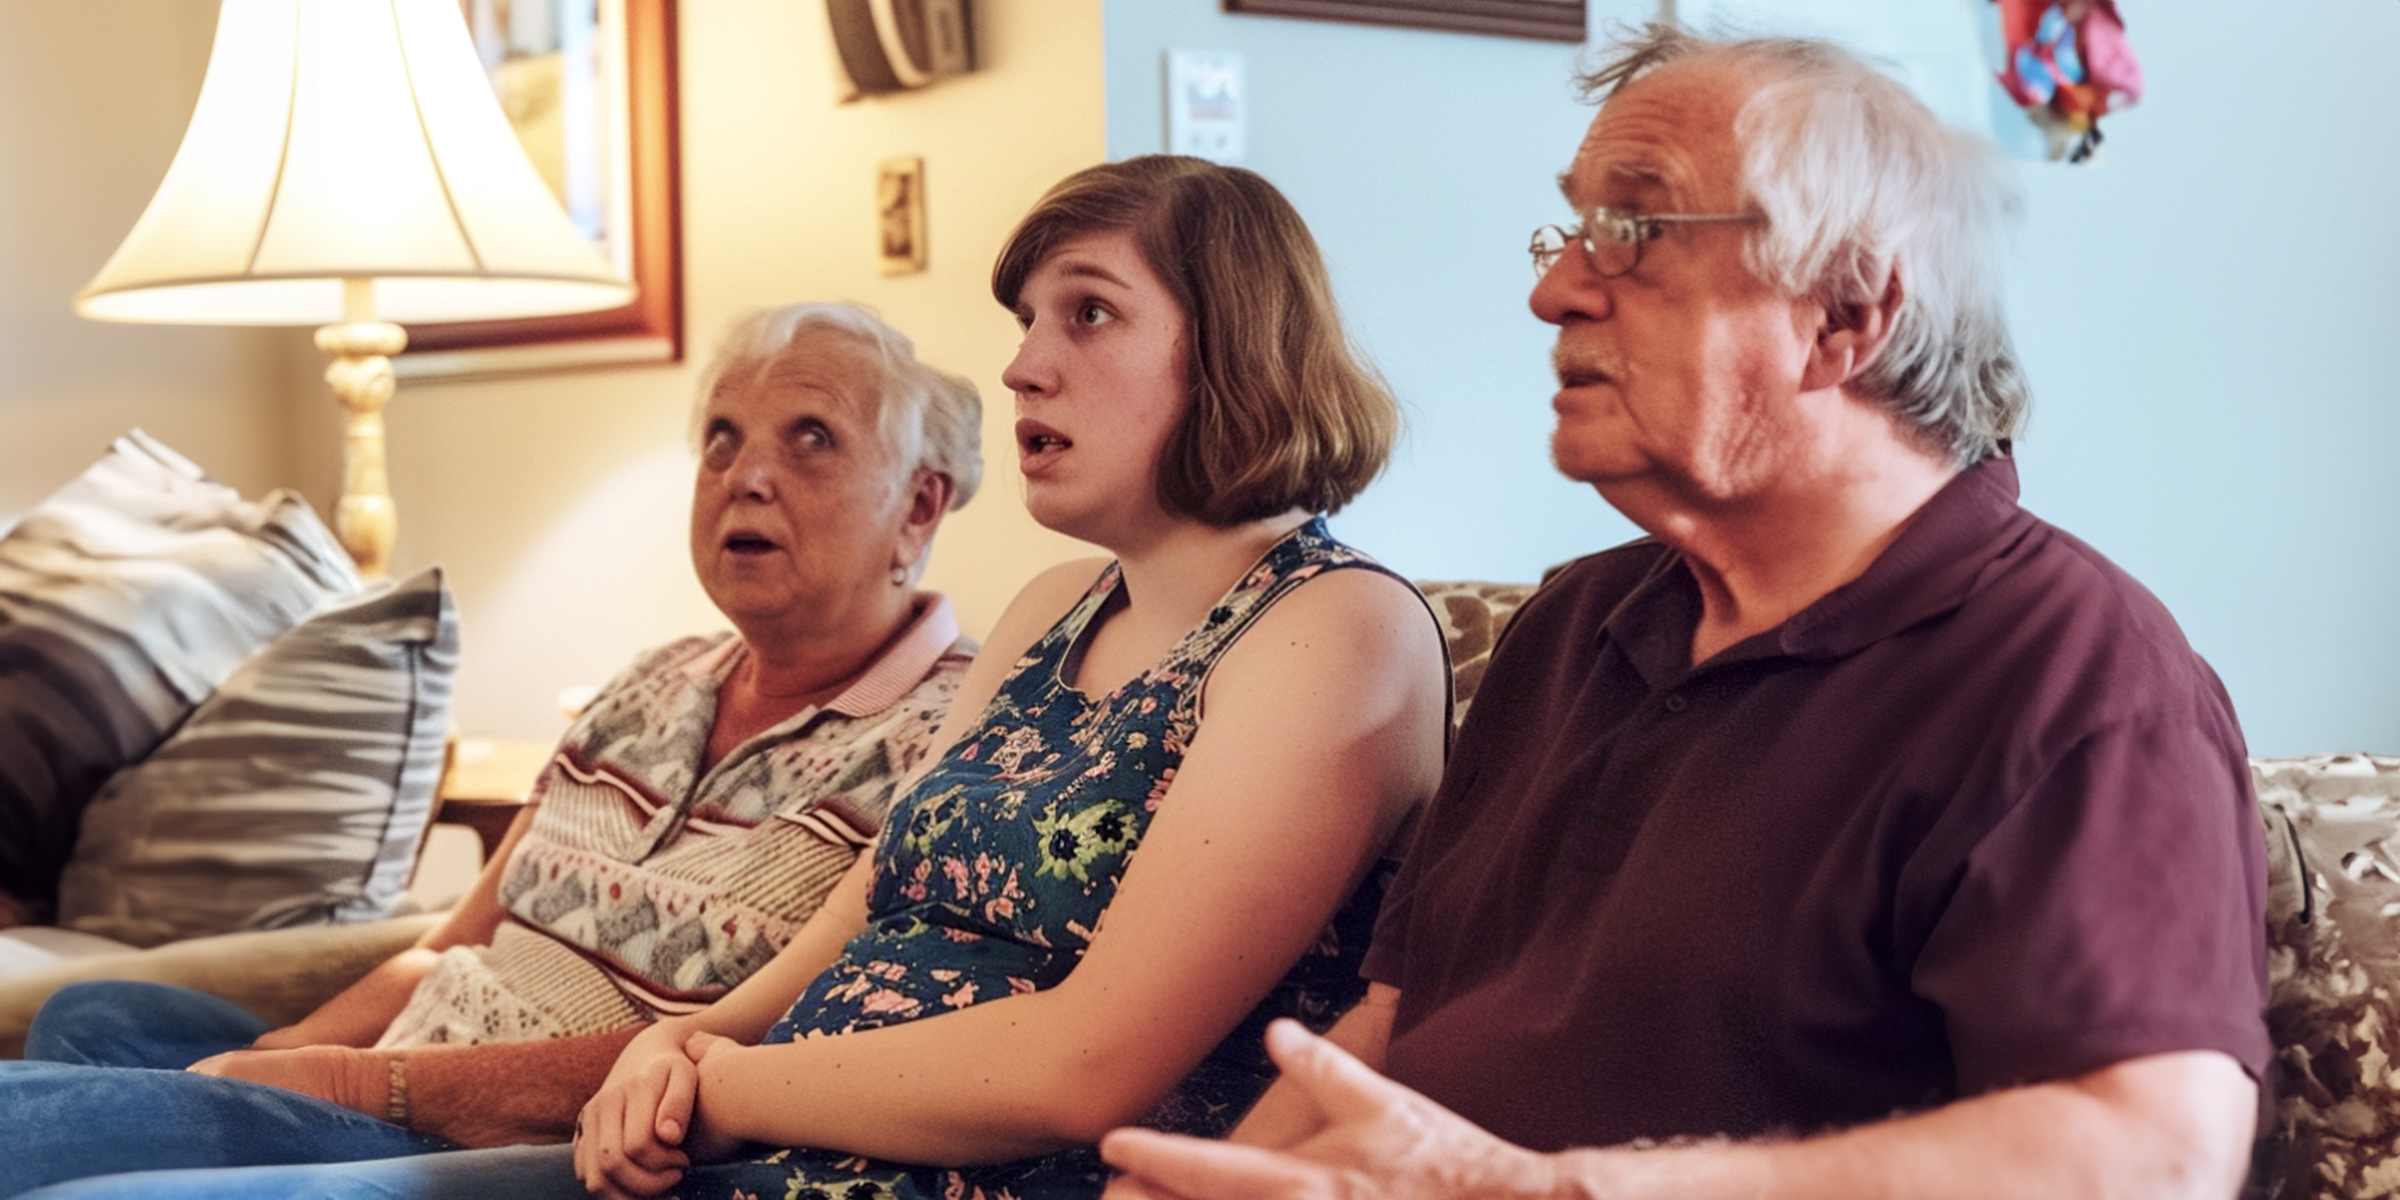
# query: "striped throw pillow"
(297, 794)
(125, 597)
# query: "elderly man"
(1856, 834)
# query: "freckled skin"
(1103, 364)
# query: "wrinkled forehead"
(1665, 143)
(830, 366)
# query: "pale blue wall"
(2204, 317)
(2209, 320)
(1422, 162)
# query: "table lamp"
(349, 166)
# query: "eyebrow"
(1073, 268)
(1626, 172)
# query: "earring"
(899, 575)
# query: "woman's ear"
(929, 498)
(1851, 335)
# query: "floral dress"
(993, 871)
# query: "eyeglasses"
(1612, 241)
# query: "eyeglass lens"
(1608, 256)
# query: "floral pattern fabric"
(993, 872)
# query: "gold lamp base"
(361, 374)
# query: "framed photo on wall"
(900, 215)
(1546, 20)
(589, 86)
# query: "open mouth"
(1577, 370)
(749, 543)
(1035, 438)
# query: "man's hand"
(1379, 1140)
(2171, 1126)
(354, 1079)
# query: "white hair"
(932, 419)
(1855, 176)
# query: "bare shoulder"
(1359, 603)
(1365, 624)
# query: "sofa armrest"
(279, 974)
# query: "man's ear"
(1851, 336)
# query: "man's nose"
(1570, 290)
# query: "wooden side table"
(486, 781)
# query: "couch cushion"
(297, 794)
(124, 598)
(1472, 615)
(282, 976)
(2333, 865)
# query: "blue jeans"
(79, 1115)
(548, 1173)
(116, 1024)
(509, 1173)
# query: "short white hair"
(1854, 174)
(932, 419)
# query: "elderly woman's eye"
(718, 448)
(813, 435)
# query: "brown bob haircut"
(1284, 413)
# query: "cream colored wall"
(557, 503)
(94, 95)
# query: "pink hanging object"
(2068, 64)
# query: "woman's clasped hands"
(643, 1127)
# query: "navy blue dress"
(992, 873)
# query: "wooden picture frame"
(900, 215)
(1544, 20)
(641, 219)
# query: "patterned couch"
(2333, 964)
(2334, 947)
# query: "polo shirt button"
(1675, 702)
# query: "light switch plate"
(1206, 110)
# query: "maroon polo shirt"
(1978, 818)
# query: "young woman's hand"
(629, 1137)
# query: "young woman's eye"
(718, 447)
(1093, 313)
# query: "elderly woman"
(1251, 705)
(692, 819)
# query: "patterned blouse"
(649, 886)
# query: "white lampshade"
(349, 140)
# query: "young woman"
(1165, 775)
